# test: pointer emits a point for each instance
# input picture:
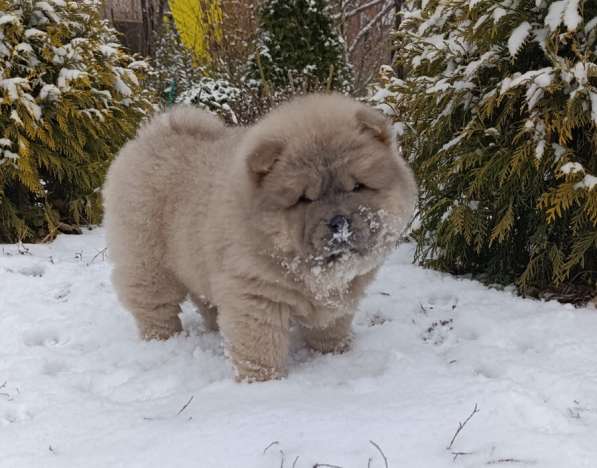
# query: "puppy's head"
(330, 193)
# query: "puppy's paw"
(159, 331)
(250, 372)
(330, 345)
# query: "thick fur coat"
(287, 220)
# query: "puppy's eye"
(358, 187)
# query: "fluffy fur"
(285, 220)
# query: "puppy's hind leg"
(153, 297)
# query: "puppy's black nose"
(338, 223)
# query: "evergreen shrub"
(69, 98)
(298, 47)
(496, 103)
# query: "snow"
(15, 88)
(487, 59)
(480, 22)
(540, 149)
(579, 71)
(34, 32)
(29, 103)
(571, 168)
(535, 90)
(518, 37)
(436, 20)
(108, 50)
(50, 92)
(589, 182)
(24, 47)
(498, 14)
(571, 16)
(121, 87)
(7, 154)
(453, 142)
(593, 97)
(13, 85)
(14, 116)
(8, 19)
(590, 25)
(138, 65)
(67, 75)
(82, 390)
(563, 11)
(48, 10)
(541, 77)
(558, 151)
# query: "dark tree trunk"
(147, 17)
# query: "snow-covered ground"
(79, 389)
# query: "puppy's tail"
(189, 120)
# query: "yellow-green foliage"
(199, 23)
(497, 104)
(69, 98)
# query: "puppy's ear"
(375, 123)
(263, 156)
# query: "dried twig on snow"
(461, 426)
(185, 405)
(457, 454)
(101, 252)
(275, 442)
(283, 455)
(1, 387)
(385, 460)
(509, 460)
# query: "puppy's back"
(186, 120)
(154, 173)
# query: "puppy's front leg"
(336, 337)
(255, 332)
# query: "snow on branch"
(363, 32)
(359, 9)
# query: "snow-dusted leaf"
(593, 97)
(8, 19)
(563, 11)
(590, 25)
(498, 14)
(572, 17)
(571, 168)
(66, 75)
(518, 37)
(540, 149)
(589, 182)
(14, 86)
(49, 92)
(34, 32)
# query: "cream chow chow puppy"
(287, 220)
